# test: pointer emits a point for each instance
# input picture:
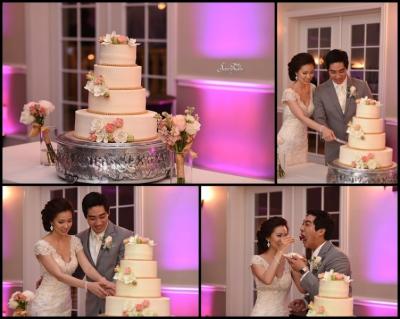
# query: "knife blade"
(340, 141)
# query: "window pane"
(126, 217)
(311, 142)
(71, 194)
(372, 58)
(357, 74)
(125, 194)
(74, 227)
(135, 22)
(312, 38)
(69, 117)
(314, 53)
(322, 55)
(113, 216)
(335, 218)
(275, 203)
(357, 35)
(372, 79)
(70, 55)
(314, 198)
(331, 199)
(357, 59)
(325, 38)
(158, 58)
(323, 76)
(140, 57)
(336, 243)
(56, 194)
(157, 23)
(88, 55)
(88, 21)
(261, 204)
(70, 81)
(110, 193)
(373, 34)
(321, 145)
(69, 22)
(158, 87)
(257, 224)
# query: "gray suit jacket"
(331, 258)
(328, 112)
(106, 262)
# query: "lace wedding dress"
(292, 137)
(273, 299)
(53, 298)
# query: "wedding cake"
(138, 290)
(117, 102)
(366, 147)
(333, 296)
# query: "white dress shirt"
(341, 92)
(314, 254)
(95, 241)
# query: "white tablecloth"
(308, 173)
(21, 165)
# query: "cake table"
(339, 173)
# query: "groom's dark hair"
(322, 221)
(335, 56)
(94, 199)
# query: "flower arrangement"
(314, 311)
(19, 301)
(139, 240)
(125, 275)
(96, 85)
(331, 275)
(365, 162)
(368, 101)
(355, 130)
(139, 310)
(178, 132)
(35, 113)
(111, 132)
(114, 38)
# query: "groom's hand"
(297, 305)
(297, 263)
(328, 135)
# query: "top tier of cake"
(333, 285)
(138, 248)
(117, 54)
(368, 108)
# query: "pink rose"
(370, 156)
(180, 122)
(357, 127)
(92, 137)
(118, 123)
(145, 303)
(339, 277)
(139, 307)
(127, 271)
(122, 39)
(110, 127)
(364, 159)
(353, 164)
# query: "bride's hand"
(96, 289)
(109, 286)
(284, 243)
(327, 134)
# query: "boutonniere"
(315, 262)
(106, 243)
(351, 93)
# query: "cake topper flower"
(332, 276)
(114, 38)
(139, 240)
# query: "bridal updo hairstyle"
(297, 62)
(267, 228)
(322, 221)
(335, 56)
(94, 199)
(52, 209)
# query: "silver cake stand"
(342, 174)
(90, 162)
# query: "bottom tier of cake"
(124, 306)
(334, 306)
(348, 155)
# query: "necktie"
(342, 97)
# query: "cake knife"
(340, 141)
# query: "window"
(147, 23)
(78, 57)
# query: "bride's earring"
(268, 243)
(51, 228)
(296, 77)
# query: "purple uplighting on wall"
(237, 132)
(244, 24)
(183, 301)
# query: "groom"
(316, 231)
(335, 100)
(103, 245)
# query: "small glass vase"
(47, 152)
(182, 168)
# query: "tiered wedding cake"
(117, 102)
(366, 146)
(333, 296)
(138, 290)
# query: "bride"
(59, 255)
(271, 273)
(298, 107)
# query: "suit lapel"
(322, 253)
(334, 97)
(109, 231)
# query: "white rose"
(101, 136)
(97, 125)
(132, 42)
(29, 295)
(48, 106)
(98, 90)
(89, 86)
(372, 164)
(26, 117)
(120, 136)
(193, 128)
(12, 304)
